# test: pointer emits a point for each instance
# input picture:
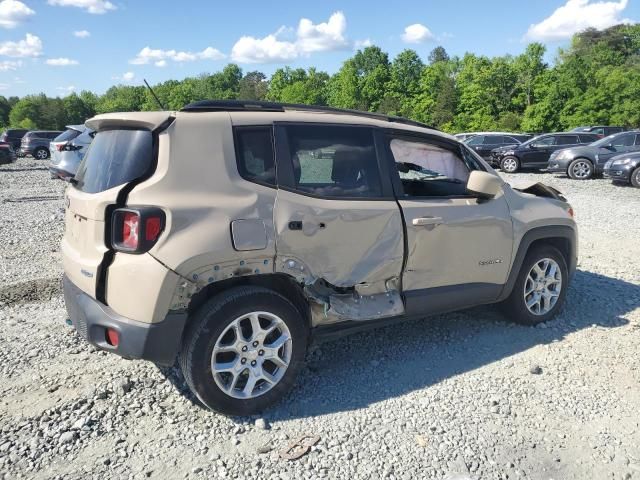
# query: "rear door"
(338, 226)
(458, 246)
(115, 158)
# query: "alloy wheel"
(41, 154)
(581, 169)
(251, 355)
(510, 165)
(543, 286)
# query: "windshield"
(114, 158)
(604, 141)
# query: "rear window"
(67, 135)
(114, 158)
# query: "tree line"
(595, 80)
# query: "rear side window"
(492, 140)
(588, 138)
(334, 161)
(254, 155)
(67, 135)
(567, 140)
(114, 158)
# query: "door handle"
(426, 221)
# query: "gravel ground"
(463, 395)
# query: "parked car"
(467, 135)
(484, 144)
(601, 131)
(175, 244)
(67, 150)
(624, 168)
(7, 155)
(535, 153)
(36, 143)
(13, 136)
(581, 163)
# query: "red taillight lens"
(60, 147)
(130, 230)
(112, 337)
(153, 227)
(136, 230)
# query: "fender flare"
(563, 232)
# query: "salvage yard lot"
(463, 393)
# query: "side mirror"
(483, 184)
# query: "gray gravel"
(460, 396)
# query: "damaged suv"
(229, 235)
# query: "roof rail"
(262, 106)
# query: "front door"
(624, 143)
(458, 246)
(539, 152)
(338, 227)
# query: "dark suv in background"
(36, 143)
(484, 144)
(581, 163)
(535, 153)
(13, 137)
(600, 130)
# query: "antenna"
(162, 107)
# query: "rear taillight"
(67, 147)
(136, 230)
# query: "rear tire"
(510, 164)
(635, 178)
(532, 299)
(580, 169)
(41, 153)
(222, 336)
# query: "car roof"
(152, 120)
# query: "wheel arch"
(561, 237)
(280, 283)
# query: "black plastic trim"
(241, 171)
(540, 233)
(156, 342)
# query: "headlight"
(625, 161)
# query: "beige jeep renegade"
(230, 234)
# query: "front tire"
(580, 169)
(41, 154)
(243, 350)
(635, 178)
(510, 164)
(540, 288)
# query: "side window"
(510, 140)
(567, 140)
(598, 131)
(492, 140)
(254, 155)
(335, 162)
(588, 138)
(623, 141)
(637, 139)
(545, 142)
(428, 170)
(477, 140)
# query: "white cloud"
(13, 13)
(159, 57)
(575, 16)
(82, 33)
(417, 33)
(31, 46)
(8, 65)
(263, 50)
(323, 36)
(61, 62)
(68, 89)
(309, 38)
(358, 44)
(92, 6)
(126, 77)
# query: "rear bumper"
(156, 342)
(59, 173)
(25, 151)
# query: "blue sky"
(57, 46)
